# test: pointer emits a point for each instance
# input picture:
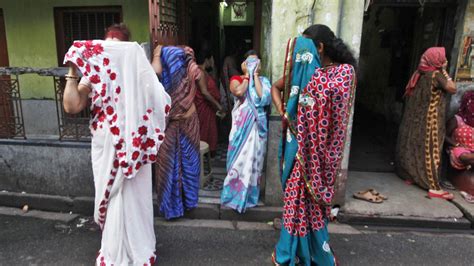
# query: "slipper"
(409, 182)
(445, 195)
(468, 197)
(376, 193)
(367, 196)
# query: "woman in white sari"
(128, 119)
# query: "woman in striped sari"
(316, 123)
(177, 177)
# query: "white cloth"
(129, 109)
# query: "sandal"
(468, 197)
(368, 196)
(445, 195)
(376, 193)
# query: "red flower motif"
(88, 68)
(135, 155)
(79, 62)
(94, 125)
(98, 49)
(121, 154)
(145, 157)
(95, 79)
(130, 170)
(87, 54)
(88, 44)
(114, 173)
(78, 44)
(116, 163)
(117, 90)
(115, 130)
(110, 110)
(149, 111)
(157, 130)
(118, 146)
(103, 92)
(161, 137)
(167, 109)
(138, 165)
(137, 142)
(124, 164)
(142, 130)
(114, 118)
(86, 74)
(145, 117)
(152, 157)
(150, 143)
(113, 76)
(101, 118)
(97, 68)
(116, 99)
(106, 62)
(109, 71)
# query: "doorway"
(219, 27)
(7, 122)
(394, 38)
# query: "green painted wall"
(31, 36)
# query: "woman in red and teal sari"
(318, 87)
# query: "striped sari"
(177, 177)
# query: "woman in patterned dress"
(460, 138)
(128, 119)
(423, 126)
(248, 137)
(177, 176)
(319, 130)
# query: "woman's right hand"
(281, 109)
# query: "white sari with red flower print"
(128, 120)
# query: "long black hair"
(334, 47)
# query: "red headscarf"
(466, 110)
(433, 59)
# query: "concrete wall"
(46, 167)
(31, 36)
(290, 18)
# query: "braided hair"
(334, 47)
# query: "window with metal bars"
(78, 23)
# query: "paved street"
(31, 241)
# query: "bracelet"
(69, 77)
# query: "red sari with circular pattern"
(323, 112)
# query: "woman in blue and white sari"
(248, 137)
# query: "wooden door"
(168, 22)
(6, 106)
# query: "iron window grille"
(11, 112)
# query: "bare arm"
(75, 95)
(239, 89)
(156, 62)
(202, 84)
(445, 82)
(451, 126)
(258, 83)
(277, 88)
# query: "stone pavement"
(407, 205)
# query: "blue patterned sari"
(247, 145)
